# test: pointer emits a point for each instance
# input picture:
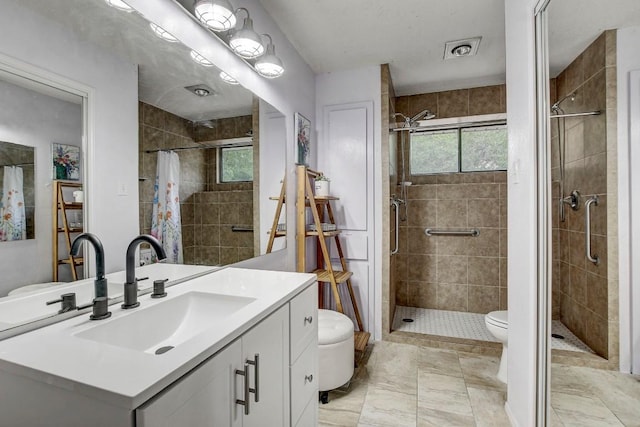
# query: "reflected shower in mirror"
(17, 192)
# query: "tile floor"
(470, 326)
(406, 385)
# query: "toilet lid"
(498, 318)
(333, 327)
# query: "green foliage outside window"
(236, 164)
(434, 152)
(484, 148)
(471, 149)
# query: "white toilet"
(497, 324)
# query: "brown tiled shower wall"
(206, 208)
(457, 273)
(581, 288)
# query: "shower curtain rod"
(220, 143)
(21, 164)
(588, 113)
(452, 125)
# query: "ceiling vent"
(461, 48)
(200, 90)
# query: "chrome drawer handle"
(308, 378)
(246, 400)
(308, 320)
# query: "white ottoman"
(335, 350)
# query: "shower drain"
(560, 337)
(407, 320)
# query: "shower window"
(235, 164)
(463, 149)
(483, 148)
(434, 152)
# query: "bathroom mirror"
(200, 128)
(584, 59)
(17, 192)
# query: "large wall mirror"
(230, 145)
(579, 73)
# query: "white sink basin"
(166, 324)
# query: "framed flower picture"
(303, 139)
(65, 162)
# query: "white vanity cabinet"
(211, 394)
(304, 358)
(262, 353)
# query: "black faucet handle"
(158, 288)
(100, 308)
(68, 302)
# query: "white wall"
(522, 270)
(293, 92)
(628, 77)
(348, 149)
(113, 126)
(35, 120)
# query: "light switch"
(122, 189)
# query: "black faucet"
(131, 284)
(100, 284)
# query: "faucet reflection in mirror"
(100, 282)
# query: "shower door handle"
(396, 210)
(587, 229)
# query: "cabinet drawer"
(304, 380)
(304, 320)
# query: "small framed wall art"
(303, 139)
(65, 162)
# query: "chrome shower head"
(423, 115)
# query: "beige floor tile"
(480, 371)
(336, 417)
(554, 419)
(569, 379)
(351, 399)
(406, 385)
(437, 361)
(428, 417)
(488, 407)
(619, 392)
(396, 359)
(388, 408)
(580, 411)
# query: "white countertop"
(125, 377)
(23, 308)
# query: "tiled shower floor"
(470, 326)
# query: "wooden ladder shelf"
(321, 231)
(61, 226)
(275, 230)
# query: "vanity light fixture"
(200, 59)
(228, 79)
(215, 14)
(245, 42)
(269, 65)
(119, 4)
(162, 33)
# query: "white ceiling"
(164, 68)
(334, 35)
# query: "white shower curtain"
(12, 215)
(166, 225)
